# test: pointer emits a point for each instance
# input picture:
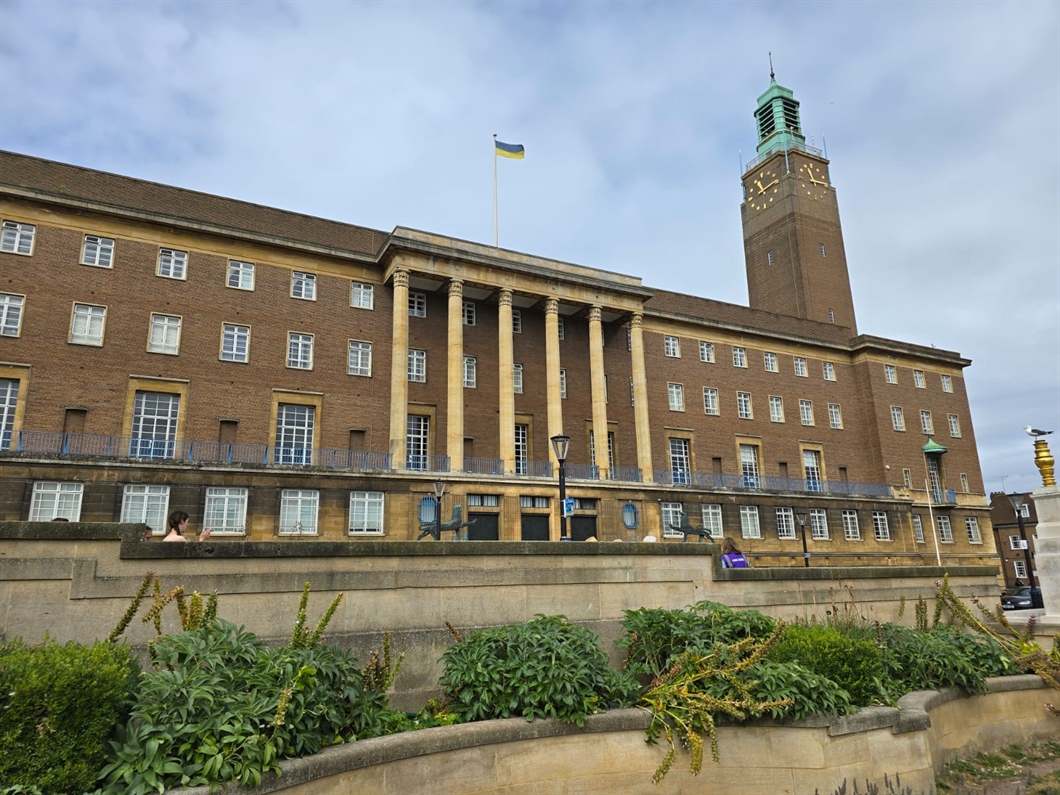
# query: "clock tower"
(793, 242)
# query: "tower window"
(831, 316)
(822, 250)
(770, 258)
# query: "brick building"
(278, 374)
(1010, 531)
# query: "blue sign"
(428, 509)
(568, 506)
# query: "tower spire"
(772, 76)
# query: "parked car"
(1022, 598)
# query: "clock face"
(812, 181)
(762, 189)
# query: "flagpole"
(496, 243)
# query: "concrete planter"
(516, 757)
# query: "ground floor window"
(147, 505)
(366, 512)
(56, 501)
(749, 526)
(226, 510)
(298, 511)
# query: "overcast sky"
(942, 122)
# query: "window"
(240, 275)
(235, 343)
(880, 527)
(706, 351)
(11, 314)
(517, 379)
(147, 505)
(8, 402)
(918, 379)
(785, 523)
(851, 531)
(743, 405)
(87, 325)
(629, 338)
(925, 421)
(671, 346)
(483, 501)
(154, 426)
(360, 358)
(971, 525)
(632, 392)
(676, 395)
(771, 362)
(172, 264)
(739, 357)
(469, 313)
(300, 351)
(417, 441)
(605, 387)
(366, 512)
(1020, 567)
(890, 373)
(295, 424)
(819, 524)
(226, 510)
(710, 400)
(533, 502)
(470, 372)
(1025, 511)
(955, 427)
(822, 250)
(749, 527)
(947, 384)
(671, 518)
(935, 477)
(1015, 542)
(918, 528)
(945, 529)
(418, 366)
(522, 448)
(304, 286)
(831, 316)
(897, 418)
(17, 238)
(298, 512)
(806, 412)
(770, 259)
(561, 327)
(680, 461)
(829, 371)
(362, 296)
(55, 500)
(517, 322)
(563, 384)
(749, 465)
(811, 467)
(610, 449)
(712, 520)
(776, 408)
(835, 416)
(964, 482)
(800, 367)
(165, 334)
(907, 478)
(98, 251)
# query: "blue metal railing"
(484, 466)
(627, 474)
(793, 145)
(427, 463)
(581, 471)
(534, 469)
(713, 480)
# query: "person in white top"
(178, 523)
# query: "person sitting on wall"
(178, 523)
(731, 556)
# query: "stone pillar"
(640, 397)
(399, 371)
(1047, 552)
(506, 423)
(552, 368)
(596, 377)
(454, 447)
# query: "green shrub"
(545, 667)
(58, 705)
(221, 707)
(852, 663)
(808, 692)
(654, 638)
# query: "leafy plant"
(546, 667)
(805, 692)
(851, 662)
(58, 704)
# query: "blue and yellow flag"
(514, 151)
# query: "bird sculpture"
(1035, 432)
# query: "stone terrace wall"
(74, 581)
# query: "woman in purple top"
(731, 556)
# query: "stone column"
(506, 424)
(399, 371)
(640, 396)
(1047, 536)
(454, 447)
(552, 368)
(596, 377)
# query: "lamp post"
(1017, 501)
(801, 517)
(439, 490)
(561, 446)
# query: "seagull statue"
(1035, 432)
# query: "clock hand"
(770, 185)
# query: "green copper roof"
(933, 447)
(777, 116)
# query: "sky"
(941, 120)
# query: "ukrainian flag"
(514, 151)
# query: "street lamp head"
(560, 446)
(439, 489)
(1017, 501)
(801, 517)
